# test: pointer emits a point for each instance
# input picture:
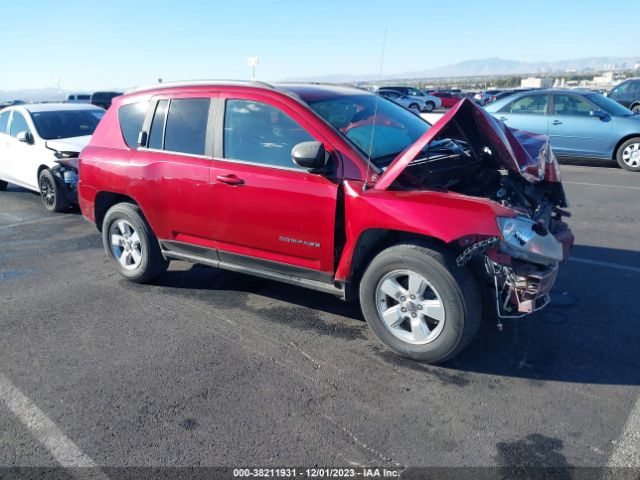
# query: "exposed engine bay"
(476, 155)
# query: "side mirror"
(604, 116)
(310, 155)
(26, 137)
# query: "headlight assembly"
(524, 239)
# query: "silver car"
(415, 104)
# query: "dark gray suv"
(628, 94)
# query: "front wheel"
(53, 198)
(131, 244)
(419, 303)
(429, 107)
(628, 155)
(3, 185)
(636, 109)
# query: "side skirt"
(211, 257)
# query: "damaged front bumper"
(66, 172)
(520, 288)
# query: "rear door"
(572, 129)
(169, 174)
(271, 214)
(528, 112)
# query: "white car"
(39, 147)
(415, 104)
(430, 102)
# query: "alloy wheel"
(410, 307)
(125, 244)
(47, 191)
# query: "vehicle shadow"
(589, 334)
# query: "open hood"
(524, 153)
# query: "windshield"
(381, 136)
(608, 105)
(66, 123)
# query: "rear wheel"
(131, 244)
(53, 197)
(419, 303)
(636, 108)
(628, 155)
(3, 185)
(414, 107)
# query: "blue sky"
(95, 44)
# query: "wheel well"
(634, 104)
(622, 140)
(104, 201)
(40, 169)
(371, 242)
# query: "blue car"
(578, 123)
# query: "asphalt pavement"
(210, 368)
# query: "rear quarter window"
(131, 118)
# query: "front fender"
(444, 216)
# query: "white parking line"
(601, 185)
(605, 264)
(63, 450)
(627, 450)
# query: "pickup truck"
(334, 189)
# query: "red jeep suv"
(334, 189)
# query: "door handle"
(503, 119)
(230, 179)
(556, 122)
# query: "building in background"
(536, 82)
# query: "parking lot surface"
(206, 367)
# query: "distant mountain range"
(487, 66)
(468, 68)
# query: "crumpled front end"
(471, 153)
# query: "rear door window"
(529, 104)
(186, 126)
(156, 136)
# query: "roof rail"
(197, 83)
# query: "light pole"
(253, 63)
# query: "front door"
(21, 157)
(573, 131)
(271, 213)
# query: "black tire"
(151, 263)
(429, 107)
(636, 108)
(414, 107)
(456, 287)
(3, 185)
(53, 197)
(635, 167)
